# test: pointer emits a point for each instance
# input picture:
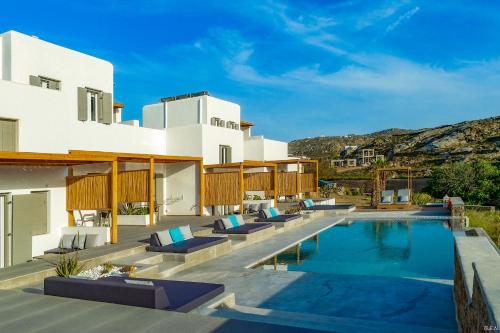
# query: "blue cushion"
(309, 203)
(176, 235)
(273, 212)
(234, 220)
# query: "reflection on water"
(421, 249)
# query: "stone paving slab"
(30, 313)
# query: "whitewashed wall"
(27, 179)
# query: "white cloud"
(405, 17)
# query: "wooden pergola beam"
(138, 157)
(292, 161)
(235, 165)
(49, 159)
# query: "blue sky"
(297, 68)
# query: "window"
(45, 82)
(8, 135)
(224, 154)
(92, 105)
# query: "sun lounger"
(403, 197)
(180, 296)
(235, 225)
(274, 215)
(387, 197)
(309, 205)
(181, 240)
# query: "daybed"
(180, 296)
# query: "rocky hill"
(422, 148)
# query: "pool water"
(393, 271)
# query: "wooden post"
(242, 189)
(317, 241)
(114, 202)
(275, 185)
(275, 263)
(71, 214)
(202, 188)
(298, 179)
(317, 178)
(151, 191)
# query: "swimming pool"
(392, 271)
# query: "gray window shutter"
(229, 153)
(53, 85)
(105, 108)
(82, 104)
(35, 81)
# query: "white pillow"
(79, 242)
(403, 198)
(186, 232)
(227, 223)
(164, 237)
(67, 241)
(240, 219)
(91, 241)
(386, 199)
(267, 213)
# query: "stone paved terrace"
(132, 239)
(30, 313)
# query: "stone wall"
(473, 312)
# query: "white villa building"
(57, 100)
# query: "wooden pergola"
(299, 162)
(61, 160)
(233, 182)
(247, 164)
(145, 158)
(380, 180)
(80, 157)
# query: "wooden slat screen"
(287, 183)
(307, 182)
(88, 192)
(259, 181)
(222, 188)
(133, 186)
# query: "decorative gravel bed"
(100, 272)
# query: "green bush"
(69, 265)
(488, 220)
(356, 191)
(421, 198)
(476, 183)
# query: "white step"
(320, 322)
